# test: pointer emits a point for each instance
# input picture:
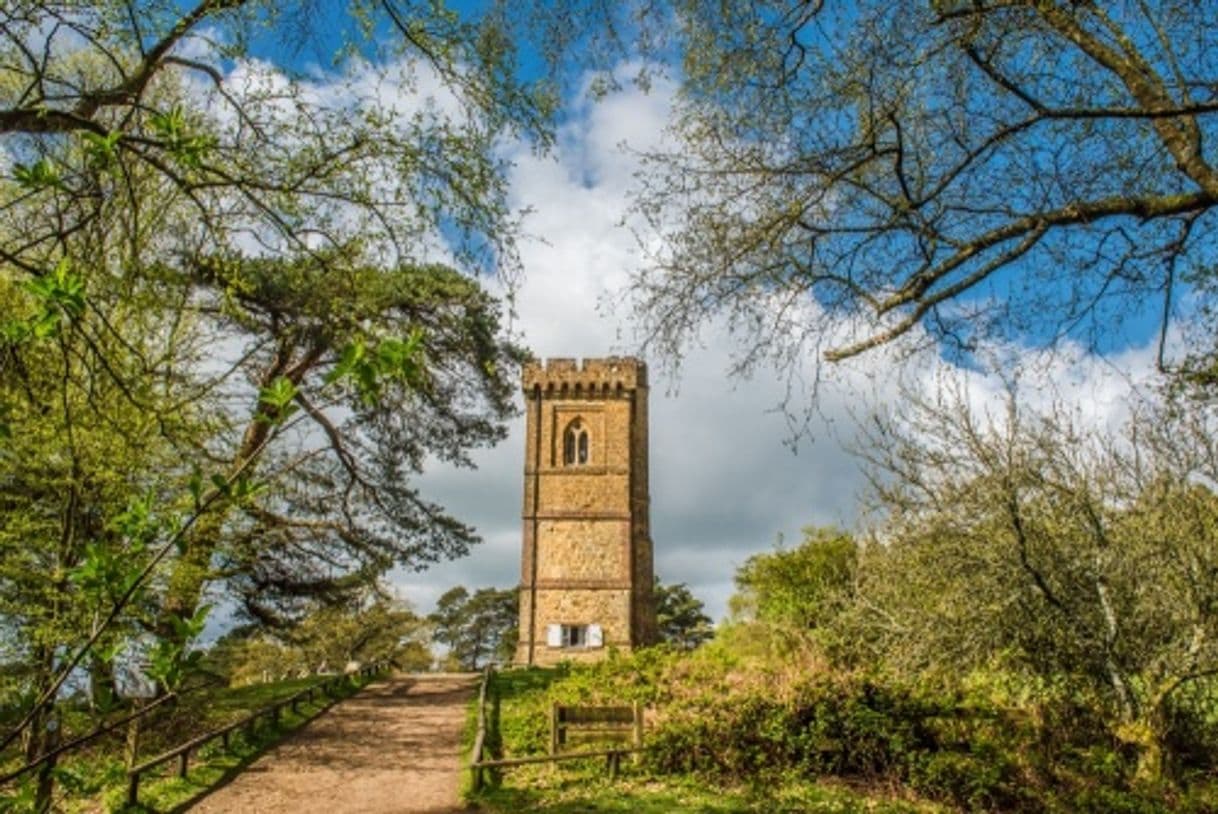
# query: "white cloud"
(724, 484)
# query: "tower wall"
(587, 552)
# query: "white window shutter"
(596, 638)
(554, 635)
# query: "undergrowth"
(757, 718)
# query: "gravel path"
(394, 747)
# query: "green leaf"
(136, 523)
(59, 294)
(276, 399)
(39, 175)
(350, 358)
(101, 150)
(109, 652)
(195, 485)
(244, 488)
(173, 129)
(392, 360)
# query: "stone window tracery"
(575, 444)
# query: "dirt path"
(395, 747)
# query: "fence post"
(132, 744)
(182, 761)
(637, 735)
(554, 728)
(133, 788)
(475, 763)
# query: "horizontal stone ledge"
(616, 517)
(575, 469)
(579, 585)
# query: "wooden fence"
(626, 720)
(103, 729)
(476, 756)
(622, 721)
(182, 752)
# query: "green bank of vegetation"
(1028, 625)
(523, 697)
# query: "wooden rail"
(621, 720)
(96, 733)
(475, 760)
(182, 751)
(613, 759)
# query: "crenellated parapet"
(593, 376)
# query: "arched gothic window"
(575, 444)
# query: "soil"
(394, 747)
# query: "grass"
(524, 698)
(569, 792)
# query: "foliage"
(385, 366)
(762, 706)
(95, 778)
(1030, 542)
(479, 627)
(180, 96)
(523, 698)
(221, 314)
(367, 630)
(680, 616)
(805, 587)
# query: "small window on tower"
(574, 635)
(575, 444)
(582, 636)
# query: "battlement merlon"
(609, 373)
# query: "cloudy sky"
(726, 481)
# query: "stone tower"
(586, 576)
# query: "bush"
(963, 751)
(733, 713)
(831, 724)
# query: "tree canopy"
(802, 587)
(1027, 541)
(850, 175)
(95, 96)
(477, 628)
(680, 616)
(241, 309)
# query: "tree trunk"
(41, 737)
(103, 686)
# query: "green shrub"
(732, 712)
(843, 725)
